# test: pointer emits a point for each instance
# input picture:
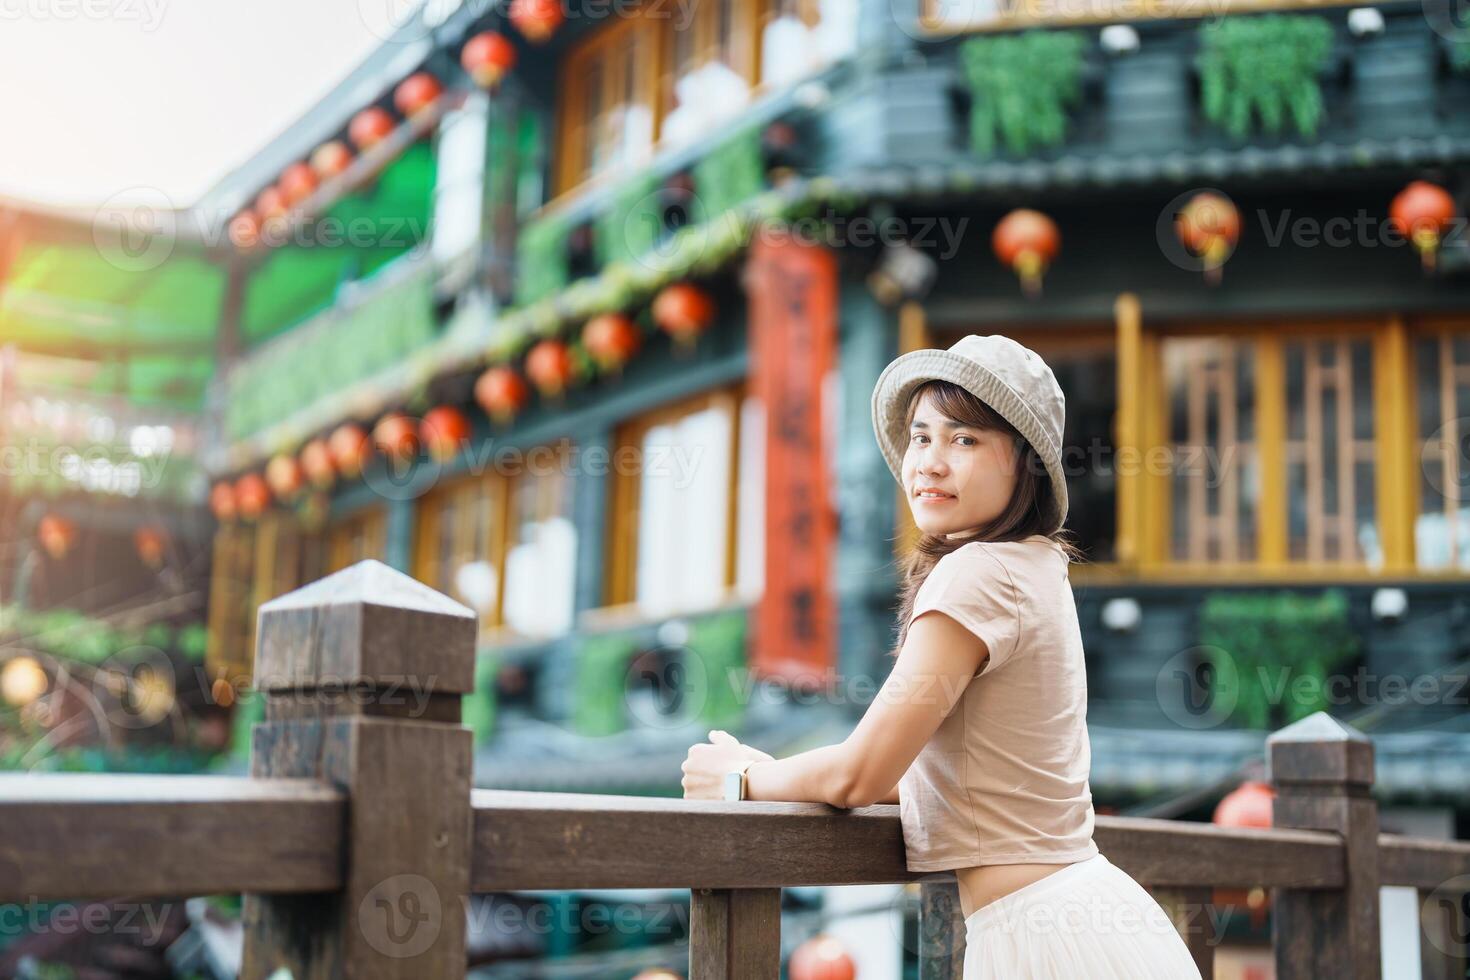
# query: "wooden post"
(941, 931)
(363, 672)
(1323, 774)
(1189, 910)
(734, 933)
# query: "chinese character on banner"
(792, 288)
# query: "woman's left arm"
(938, 660)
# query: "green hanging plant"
(541, 259)
(729, 174)
(719, 643)
(479, 708)
(1277, 650)
(1264, 69)
(1021, 87)
(1459, 55)
(632, 226)
(599, 706)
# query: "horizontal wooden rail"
(574, 840)
(88, 836)
(85, 836)
(1418, 862)
(1171, 853)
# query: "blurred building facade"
(1265, 402)
(622, 279)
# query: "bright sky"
(101, 97)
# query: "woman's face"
(956, 477)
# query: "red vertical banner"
(792, 290)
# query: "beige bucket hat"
(1008, 377)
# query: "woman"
(979, 732)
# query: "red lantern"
(821, 957)
(316, 463)
(245, 229)
(396, 436)
(549, 366)
(222, 501)
(350, 449)
(252, 496)
(501, 393)
(271, 203)
(1027, 241)
(56, 535)
(298, 182)
(536, 19)
(1248, 805)
(444, 430)
(331, 159)
(369, 127)
(684, 311)
(1421, 212)
(283, 475)
(150, 542)
(1209, 226)
(416, 93)
(487, 57)
(611, 339)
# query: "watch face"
(732, 785)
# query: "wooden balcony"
(358, 832)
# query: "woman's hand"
(708, 762)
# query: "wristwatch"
(735, 781)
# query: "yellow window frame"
(1145, 516)
(621, 553)
(369, 525)
(654, 24)
(491, 493)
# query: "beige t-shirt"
(1004, 780)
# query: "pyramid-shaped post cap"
(365, 625)
(1319, 749)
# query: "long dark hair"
(1025, 515)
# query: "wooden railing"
(358, 838)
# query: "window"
(1216, 492)
(1274, 455)
(253, 564)
(1442, 392)
(362, 535)
(609, 99)
(1329, 451)
(677, 539)
(675, 70)
(504, 544)
(231, 653)
(458, 523)
(712, 66)
(541, 556)
(798, 36)
(954, 16)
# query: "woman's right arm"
(891, 796)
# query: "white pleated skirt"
(1088, 921)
